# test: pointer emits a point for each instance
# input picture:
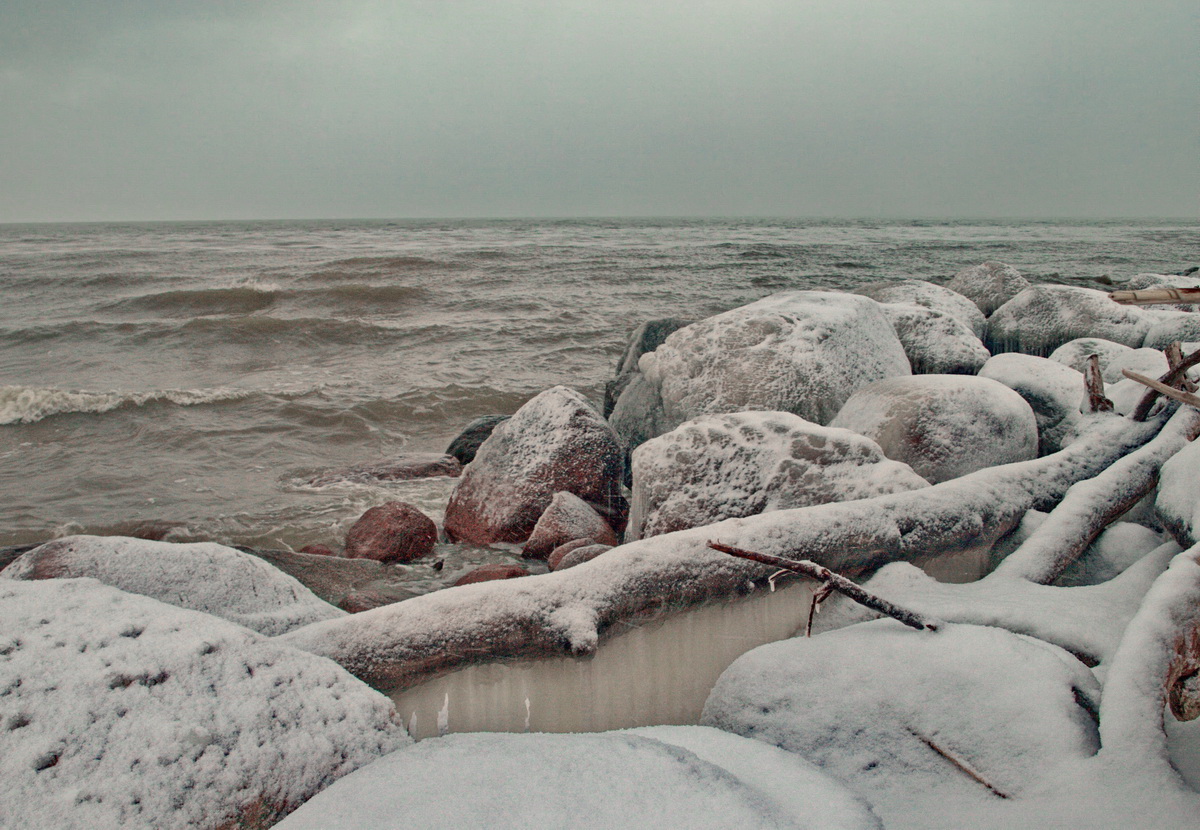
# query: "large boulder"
(1167, 327)
(642, 340)
(1075, 353)
(928, 295)
(803, 352)
(468, 442)
(555, 442)
(989, 285)
(1042, 318)
(726, 466)
(391, 532)
(122, 711)
(1053, 391)
(1178, 502)
(201, 576)
(567, 518)
(935, 343)
(943, 426)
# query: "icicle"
(412, 725)
(444, 717)
(527, 712)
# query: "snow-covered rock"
(989, 285)
(928, 295)
(202, 576)
(555, 442)
(1075, 353)
(1168, 326)
(1044, 317)
(1052, 390)
(568, 517)
(1119, 546)
(124, 712)
(1143, 281)
(644, 339)
(604, 780)
(577, 556)
(1150, 362)
(884, 708)
(803, 352)
(943, 426)
(1178, 502)
(723, 466)
(467, 442)
(935, 343)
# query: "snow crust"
(1053, 391)
(1042, 318)
(120, 711)
(989, 285)
(722, 466)
(936, 343)
(201, 576)
(1074, 353)
(568, 517)
(1178, 501)
(610, 780)
(1117, 548)
(1168, 326)
(928, 295)
(943, 426)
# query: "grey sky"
(149, 109)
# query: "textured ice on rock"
(723, 466)
(555, 442)
(1143, 281)
(202, 576)
(605, 780)
(1044, 317)
(1169, 326)
(1178, 502)
(935, 343)
(1075, 353)
(928, 295)
(803, 352)
(1052, 390)
(124, 712)
(943, 426)
(989, 285)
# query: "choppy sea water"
(197, 373)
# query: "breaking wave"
(28, 405)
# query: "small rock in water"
(584, 553)
(318, 550)
(473, 435)
(487, 573)
(562, 550)
(568, 517)
(391, 532)
(359, 601)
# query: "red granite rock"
(318, 550)
(581, 554)
(391, 532)
(487, 573)
(568, 517)
(562, 550)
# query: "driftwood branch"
(1174, 353)
(1093, 384)
(961, 765)
(1156, 296)
(1164, 390)
(1173, 376)
(832, 581)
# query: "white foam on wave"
(28, 405)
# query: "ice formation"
(1178, 502)
(989, 285)
(928, 295)
(1053, 391)
(935, 343)
(1042, 318)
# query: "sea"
(194, 377)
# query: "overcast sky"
(153, 109)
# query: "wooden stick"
(1164, 390)
(959, 763)
(1093, 384)
(1155, 296)
(1142, 411)
(1174, 353)
(833, 581)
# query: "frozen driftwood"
(569, 612)
(1156, 296)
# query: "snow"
(124, 712)
(567, 518)
(1141, 281)
(201, 576)
(560, 781)
(928, 295)
(721, 466)
(1074, 353)
(1168, 326)
(1117, 548)
(1178, 501)
(1053, 391)
(936, 343)
(989, 285)
(1044, 317)
(943, 426)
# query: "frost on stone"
(1052, 390)
(568, 517)
(1167, 327)
(989, 285)
(1075, 353)
(935, 343)
(928, 295)
(1042, 318)
(803, 352)
(201, 576)
(943, 426)
(555, 442)
(1178, 501)
(124, 712)
(604, 780)
(1143, 281)
(723, 466)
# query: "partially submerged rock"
(472, 437)
(351, 584)
(724, 466)
(562, 550)
(943, 426)
(555, 442)
(122, 711)
(391, 532)
(579, 555)
(489, 573)
(201, 576)
(1042, 318)
(988, 285)
(1178, 502)
(567, 517)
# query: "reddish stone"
(487, 573)
(581, 554)
(556, 442)
(359, 601)
(568, 517)
(562, 550)
(392, 532)
(318, 550)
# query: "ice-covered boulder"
(1075, 353)
(642, 340)
(935, 343)
(1150, 362)
(467, 443)
(1044, 317)
(604, 780)
(1144, 281)
(989, 285)
(1167, 327)
(928, 295)
(124, 712)
(943, 426)
(1178, 502)
(555, 442)
(884, 708)
(726, 466)
(798, 351)
(391, 532)
(202, 576)
(568, 517)
(1053, 391)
